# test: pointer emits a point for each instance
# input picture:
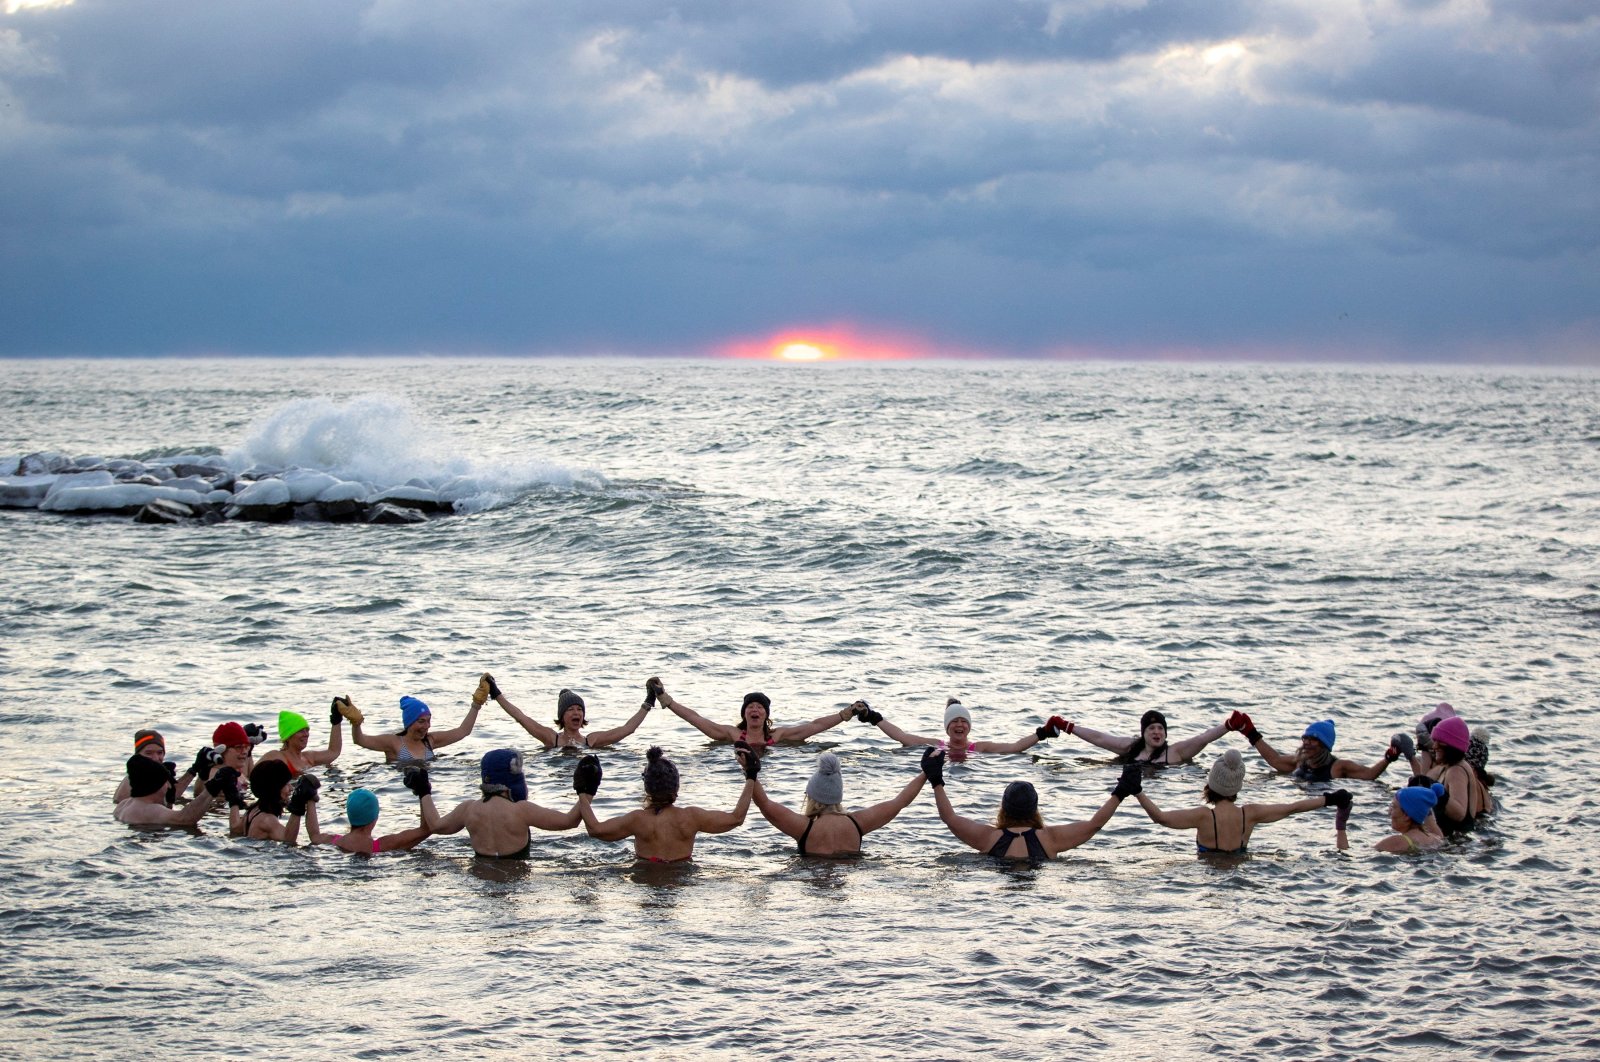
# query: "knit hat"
(230, 734)
(1452, 731)
(141, 738)
(290, 724)
(566, 699)
(827, 784)
(146, 776)
(361, 807)
(1227, 774)
(1442, 710)
(1322, 730)
(1418, 801)
(1152, 716)
(755, 697)
(267, 780)
(660, 777)
(1020, 803)
(502, 773)
(411, 710)
(956, 710)
(1478, 749)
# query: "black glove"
(494, 691)
(256, 733)
(865, 713)
(1046, 732)
(224, 783)
(1336, 798)
(747, 758)
(304, 792)
(204, 761)
(172, 769)
(334, 718)
(417, 780)
(933, 765)
(1131, 783)
(653, 689)
(586, 776)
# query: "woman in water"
(361, 809)
(662, 831)
(1018, 831)
(958, 730)
(144, 805)
(755, 723)
(1151, 744)
(1467, 798)
(1409, 814)
(1314, 760)
(276, 792)
(1224, 827)
(499, 826)
(822, 826)
(414, 743)
(571, 718)
(150, 745)
(295, 733)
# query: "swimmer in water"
(145, 804)
(1411, 815)
(152, 746)
(958, 730)
(361, 809)
(294, 732)
(571, 718)
(1224, 827)
(230, 757)
(1314, 760)
(1466, 798)
(1018, 831)
(499, 825)
(415, 742)
(662, 831)
(822, 826)
(755, 723)
(1151, 745)
(277, 792)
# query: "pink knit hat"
(1453, 732)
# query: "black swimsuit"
(1215, 836)
(1036, 850)
(521, 853)
(1442, 816)
(1307, 773)
(812, 821)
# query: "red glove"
(1060, 724)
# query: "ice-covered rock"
(24, 492)
(307, 485)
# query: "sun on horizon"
(822, 344)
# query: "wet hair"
(811, 809)
(1211, 796)
(766, 724)
(660, 780)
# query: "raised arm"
(617, 733)
(714, 731)
(323, 757)
(441, 738)
(722, 821)
(545, 735)
(404, 840)
(1018, 745)
(904, 738)
(883, 813)
(1276, 760)
(971, 832)
(542, 818)
(1185, 819)
(1189, 748)
(611, 829)
(1256, 814)
(194, 810)
(385, 743)
(1070, 835)
(1352, 769)
(816, 726)
(1109, 742)
(783, 819)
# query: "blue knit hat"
(361, 807)
(502, 769)
(1417, 801)
(1322, 730)
(411, 710)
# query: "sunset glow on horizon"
(825, 344)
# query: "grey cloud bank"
(1303, 179)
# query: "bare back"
(832, 834)
(665, 836)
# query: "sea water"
(1085, 540)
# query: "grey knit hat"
(827, 784)
(1227, 774)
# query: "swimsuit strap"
(860, 833)
(812, 821)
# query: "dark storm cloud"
(398, 175)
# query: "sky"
(1350, 180)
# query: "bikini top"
(377, 843)
(1030, 837)
(1243, 822)
(581, 743)
(746, 739)
(405, 756)
(812, 821)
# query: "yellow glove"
(481, 694)
(348, 709)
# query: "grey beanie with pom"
(827, 784)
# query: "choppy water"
(1085, 540)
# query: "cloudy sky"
(1342, 179)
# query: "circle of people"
(1448, 791)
